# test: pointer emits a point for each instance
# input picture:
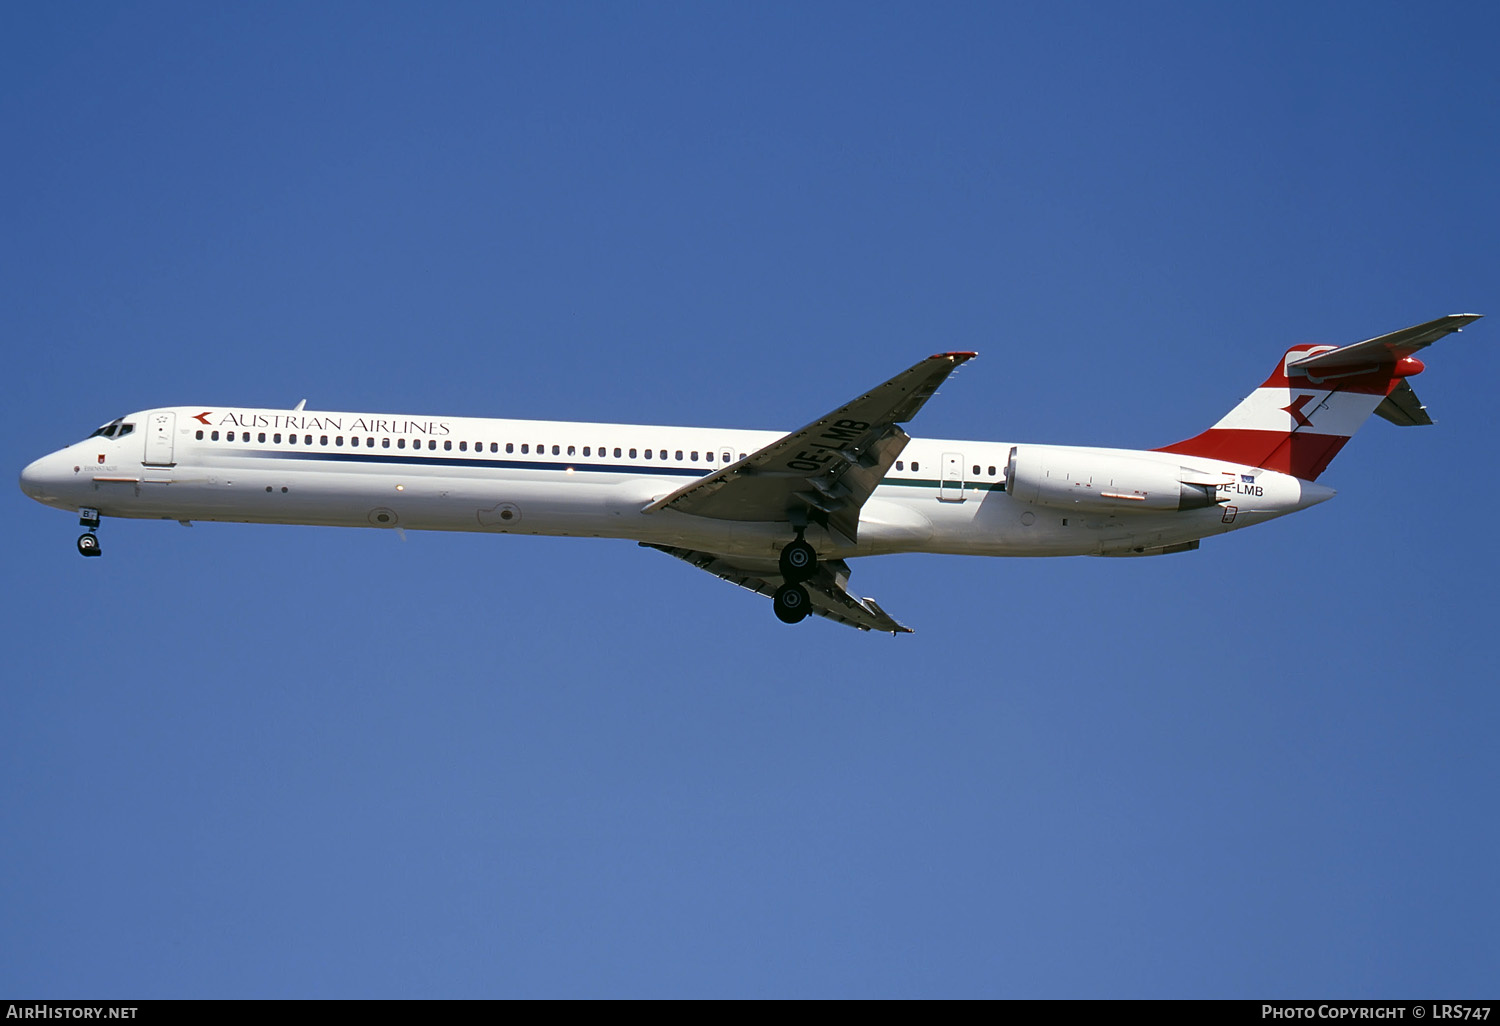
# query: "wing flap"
(829, 592)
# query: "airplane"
(778, 514)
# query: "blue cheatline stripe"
(386, 459)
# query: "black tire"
(791, 603)
(799, 562)
(88, 545)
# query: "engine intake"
(1082, 480)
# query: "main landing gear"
(798, 563)
(88, 544)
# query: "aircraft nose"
(41, 480)
(31, 478)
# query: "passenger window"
(899, 466)
(307, 439)
(291, 439)
(199, 436)
(432, 443)
(322, 439)
(664, 454)
(525, 448)
(992, 472)
(572, 451)
(385, 443)
(354, 440)
(448, 445)
(276, 438)
(261, 437)
(693, 455)
(976, 470)
(585, 450)
(913, 465)
(648, 454)
(463, 447)
(617, 452)
(556, 451)
(401, 443)
(338, 441)
(632, 453)
(214, 437)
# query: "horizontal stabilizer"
(1403, 408)
(1385, 350)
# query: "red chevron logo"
(1295, 409)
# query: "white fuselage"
(594, 480)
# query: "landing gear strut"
(88, 544)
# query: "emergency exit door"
(951, 483)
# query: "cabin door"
(161, 428)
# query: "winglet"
(955, 357)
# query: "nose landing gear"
(88, 544)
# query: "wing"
(828, 589)
(1382, 351)
(825, 471)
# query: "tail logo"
(1295, 409)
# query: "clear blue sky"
(281, 761)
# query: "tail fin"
(1317, 397)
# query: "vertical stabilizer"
(1316, 399)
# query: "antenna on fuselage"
(299, 406)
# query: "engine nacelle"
(1104, 482)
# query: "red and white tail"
(1317, 397)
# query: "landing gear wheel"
(791, 603)
(799, 561)
(88, 544)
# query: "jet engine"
(1081, 479)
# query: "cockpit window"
(114, 429)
